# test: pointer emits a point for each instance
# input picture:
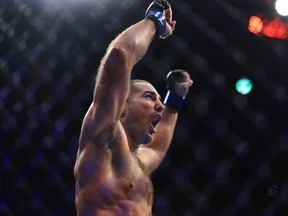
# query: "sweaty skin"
(122, 141)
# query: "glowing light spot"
(275, 29)
(255, 24)
(281, 7)
(244, 86)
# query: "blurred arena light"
(255, 24)
(281, 7)
(244, 86)
(271, 27)
(270, 22)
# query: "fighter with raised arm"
(127, 131)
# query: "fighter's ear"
(124, 111)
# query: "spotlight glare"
(244, 86)
(282, 7)
(255, 24)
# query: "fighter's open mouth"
(156, 119)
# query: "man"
(122, 138)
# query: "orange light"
(276, 29)
(255, 24)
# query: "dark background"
(229, 154)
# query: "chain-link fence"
(229, 152)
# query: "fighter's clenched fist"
(161, 13)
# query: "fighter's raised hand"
(161, 13)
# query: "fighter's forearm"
(164, 131)
(135, 40)
(153, 153)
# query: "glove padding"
(177, 89)
(155, 13)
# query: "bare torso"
(111, 181)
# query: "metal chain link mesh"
(229, 153)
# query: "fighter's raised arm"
(114, 72)
(178, 84)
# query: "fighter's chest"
(135, 183)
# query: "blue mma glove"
(175, 80)
(155, 13)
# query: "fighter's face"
(144, 111)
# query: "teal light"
(244, 86)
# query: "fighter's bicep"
(111, 88)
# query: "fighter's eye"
(149, 96)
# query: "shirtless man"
(119, 146)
